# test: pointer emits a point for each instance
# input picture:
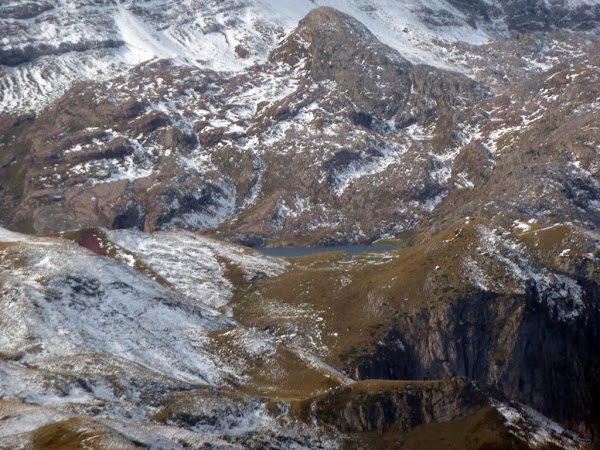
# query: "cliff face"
(512, 343)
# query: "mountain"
(141, 142)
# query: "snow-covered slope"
(71, 301)
(69, 312)
(47, 46)
(199, 272)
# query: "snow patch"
(197, 270)
(562, 295)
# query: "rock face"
(332, 46)
(512, 344)
(13, 57)
(528, 15)
(381, 142)
(465, 414)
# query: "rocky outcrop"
(377, 405)
(211, 411)
(531, 15)
(331, 45)
(452, 413)
(528, 15)
(204, 207)
(25, 10)
(134, 216)
(449, 91)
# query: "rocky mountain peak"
(332, 23)
(331, 45)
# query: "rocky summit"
(152, 152)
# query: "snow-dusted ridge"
(72, 301)
(198, 270)
(537, 430)
(78, 40)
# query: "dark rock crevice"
(16, 56)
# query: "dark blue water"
(303, 251)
